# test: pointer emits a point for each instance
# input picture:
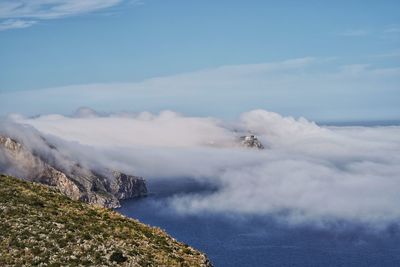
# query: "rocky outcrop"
(103, 188)
(16, 159)
(55, 178)
(251, 141)
(127, 186)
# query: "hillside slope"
(39, 226)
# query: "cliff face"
(126, 186)
(41, 227)
(73, 180)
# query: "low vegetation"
(41, 227)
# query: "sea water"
(237, 240)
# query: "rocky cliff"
(103, 188)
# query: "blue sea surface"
(232, 240)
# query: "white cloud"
(392, 30)
(302, 87)
(28, 12)
(46, 9)
(15, 24)
(143, 129)
(307, 173)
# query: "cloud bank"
(306, 87)
(307, 173)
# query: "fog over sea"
(251, 240)
(318, 195)
(169, 91)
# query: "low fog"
(305, 174)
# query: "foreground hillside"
(39, 226)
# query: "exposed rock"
(102, 199)
(53, 177)
(127, 186)
(16, 159)
(74, 180)
(251, 141)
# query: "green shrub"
(118, 257)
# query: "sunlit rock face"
(103, 188)
(251, 141)
(127, 186)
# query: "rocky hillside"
(101, 187)
(40, 226)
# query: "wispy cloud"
(355, 33)
(25, 13)
(304, 86)
(15, 24)
(392, 29)
(391, 54)
(387, 31)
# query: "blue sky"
(349, 54)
